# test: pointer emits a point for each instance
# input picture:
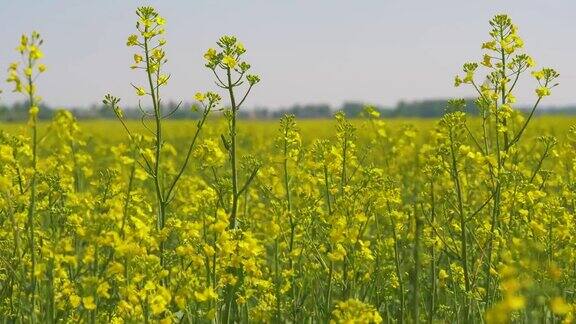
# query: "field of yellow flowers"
(223, 220)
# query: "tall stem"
(32, 205)
(157, 178)
(498, 188)
(417, 262)
(503, 99)
(234, 211)
(398, 270)
(463, 233)
(230, 290)
(433, 256)
(292, 221)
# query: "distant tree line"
(431, 108)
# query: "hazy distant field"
(111, 130)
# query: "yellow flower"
(543, 91)
(180, 301)
(489, 45)
(515, 302)
(199, 96)
(209, 250)
(6, 153)
(140, 91)
(240, 48)
(137, 58)
(442, 275)
(132, 40)
(355, 311)
(457, 81)
(35, 53)
(158, 54)
(160, 21)
(158, 304)
(88, 303)
(210, 54)
(163, 79)
(338, 254)
(486, 61)
(229, 61)
(538, 74)
(149, 285)
(116, 268)
(102, 290)
(74, 300)
(559, 306)
(205, 295)
(34, 111)
(41, 68)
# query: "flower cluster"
(346, 221)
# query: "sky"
(306, 51)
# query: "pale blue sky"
(315, 51)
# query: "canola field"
(223, 220)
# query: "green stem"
(157, 178)
(433, 256)
(234, 211)
(398, 270)
(416, 292)
(32, 205)
(463, 233)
